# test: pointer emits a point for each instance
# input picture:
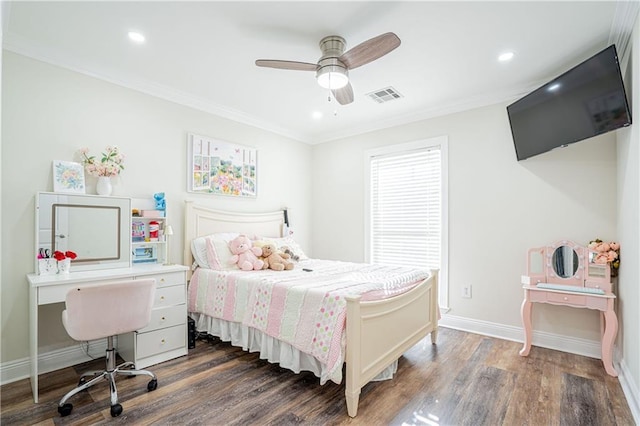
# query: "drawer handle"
(162, 341)
(163, 318)
(161, 297)
(161, 280)
(565, 298)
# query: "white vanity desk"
(165, 338)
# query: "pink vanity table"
(563, 274)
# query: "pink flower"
(601, 259)
(110, 165)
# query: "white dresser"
(166, 336)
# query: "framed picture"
(68, 177)
(220, 168)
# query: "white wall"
(48, 113)
(498, 208)
(628, 207)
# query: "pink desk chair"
(106, 310)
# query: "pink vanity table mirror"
(563, 274)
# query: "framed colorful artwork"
(220, 168)
(68, 177)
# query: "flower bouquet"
(606, 253)
(110, 165)
(64, 260)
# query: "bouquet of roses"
(606, 253)
(62, 256)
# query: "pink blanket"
(305, 309)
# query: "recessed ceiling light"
(136, 37)
(553, 87)
(317, 115)
(506, 57)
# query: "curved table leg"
(525, 311)
(609, 336)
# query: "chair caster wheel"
(65, 410)
(152, 385)
(116, 410)
(82, 381)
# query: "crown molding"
(442, 110)
(19, 45)
(622, 25)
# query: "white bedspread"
(304, 309)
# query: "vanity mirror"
(565, 261)
(95, 228)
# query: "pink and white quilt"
(304, 307)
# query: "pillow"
(289, 242)
(212, 251)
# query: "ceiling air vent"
(387, 94)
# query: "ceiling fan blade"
(286, 65)
(344, 95)
(370, 50)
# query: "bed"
(372, 329)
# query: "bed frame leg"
(434, 336)
(352, 402)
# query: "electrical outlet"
(466, 291)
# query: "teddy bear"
(244, 254)
(274, 259)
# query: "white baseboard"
(51, 360)
(590, 348)
(584, 347)
(630, 389)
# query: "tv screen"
(585, 101)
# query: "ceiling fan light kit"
(332, 77)
(332, 69)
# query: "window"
(406, 206)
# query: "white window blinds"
(406, 208)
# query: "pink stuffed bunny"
(244, 255)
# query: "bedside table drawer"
(170, 296)
(163, 340)
(567, 299)
(166, 317)
(167, 279)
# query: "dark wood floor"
(465, 379)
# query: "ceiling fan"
(332, 69)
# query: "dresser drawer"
(158, 341)
(166, 317)
(567, 299)
(170, 296)
(167, 279)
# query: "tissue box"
(152, 213)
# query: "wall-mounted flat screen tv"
(585, 101)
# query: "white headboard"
(200, 221)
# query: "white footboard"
(379, 332)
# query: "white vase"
(64, 266)
(47, 266)
(103, 187)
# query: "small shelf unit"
(148, 238)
